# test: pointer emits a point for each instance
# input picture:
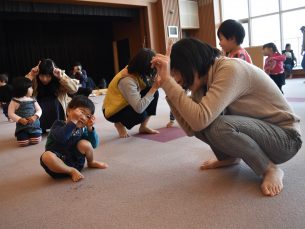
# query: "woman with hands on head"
(51, 87)
(235, 108)
(132, 95)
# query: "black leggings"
(279, 80)
(129, 118)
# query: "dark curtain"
(65, 33)
(26, 38)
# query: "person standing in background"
(303, 48)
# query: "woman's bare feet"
(273, 181)
(146, 130)
(121, 130)
(76, 175)
(97, 165)
(214, 163)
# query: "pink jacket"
(274, 64)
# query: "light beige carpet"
(148, 184)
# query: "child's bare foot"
(97, 165)
(170, 124)
(146, 130)
(76, 175)
(214, 163)
(273, 181)
(121, 130)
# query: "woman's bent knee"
(218, 127)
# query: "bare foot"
(97, 165)
(76, 175)
(170, 124)
(146, 130)
(121, 130)
(273, 181)
(214, 163)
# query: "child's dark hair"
(20, 86)
(271, 45)
(80, 101)
(189, 56)
(140, 64)
(232, 29)
(4, 78)
(287, 45)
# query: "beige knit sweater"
(236, 88)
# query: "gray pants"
(254, 141)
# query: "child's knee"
(84, 145)
(47, 156)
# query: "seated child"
(70, 142)
(231, 35)
(5, 94)
(25, 111)
(290, 61)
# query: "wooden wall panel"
(206, 32)
(170, 10)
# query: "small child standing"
(25, 111)
(274, 64)
(70, 142)
(231, 35)
(5, 94)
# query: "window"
(292, 33)
(264, 21)
(292, 4)
(265, 30)
(236, 9)
(261, 7)
(246, 42)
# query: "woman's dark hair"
(21, 86)
(140, 64)
(232, 29)
(4, 78)
(189, 56)
(80, 101)
(46, 67)
(271, 45)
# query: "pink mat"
(165, 135)
(299, 100)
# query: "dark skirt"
(51, 111)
